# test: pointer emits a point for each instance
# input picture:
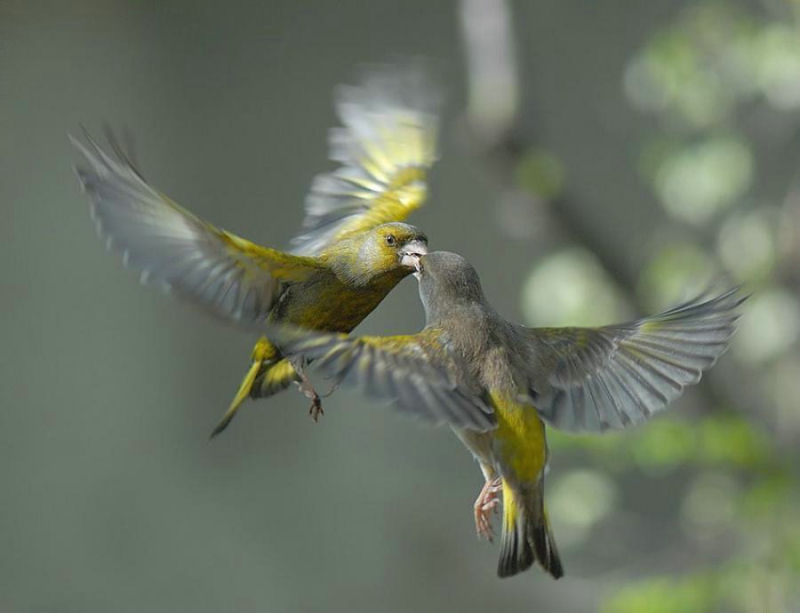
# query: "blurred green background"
(599, 160)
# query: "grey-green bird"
(497, 384)
(353, 249)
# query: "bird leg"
(334, 386)
(487, 502)
(307, 389)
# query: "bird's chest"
(325, 303)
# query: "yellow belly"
(519, 441)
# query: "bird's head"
(389, 251)
(393, 247)
(447, 281)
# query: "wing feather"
(592, 379)
(415, 371)
(176, 250)
(386, 146)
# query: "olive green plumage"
(496, 383)
(354, 247)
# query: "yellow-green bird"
(353, 250)
(497, 383)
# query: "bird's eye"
(390, 240)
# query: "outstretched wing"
(386, 145)
(592, 379)
(414, 370)
(170, 246)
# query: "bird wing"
(170, 246)
(386, 145)
(593, 379)
(416, 371)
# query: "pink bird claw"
(487, 503)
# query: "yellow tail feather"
(526, 534)
(241, 394)
(264, 378)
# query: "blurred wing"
(386, 146)
(592, 379)
(414, 370)
(230, 276)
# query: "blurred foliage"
(696, 181)
(541, 173)
(571, 288)
(721, 82)
(695, 594)
(719, 440)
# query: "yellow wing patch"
(386, 146)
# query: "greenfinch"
(353, 250)
(497, 384)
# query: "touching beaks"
(411, 252)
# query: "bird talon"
(492, 505)
(486, 504)
(307, 388)
(315, 410)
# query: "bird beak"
(411, 252)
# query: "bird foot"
(486, 503)
(315, 410)
(307, 389)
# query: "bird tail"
(268, 374)
(526, 534)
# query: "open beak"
(411, 252)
